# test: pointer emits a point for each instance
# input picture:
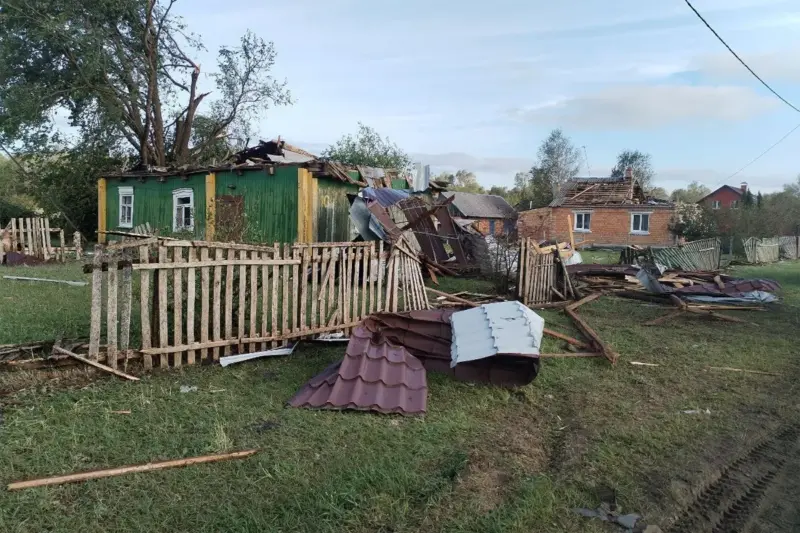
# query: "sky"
(478, 85)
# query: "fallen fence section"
(789, 248)
(766, 250)
(537, 274)
(692, 256)
(34, 237)
(199, 300)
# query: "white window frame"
(716, 204)
(124, 192)
(583, 214)
(177, 194)
(640, 214)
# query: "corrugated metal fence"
(696, 255)
(769, 250)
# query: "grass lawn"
(483, 459)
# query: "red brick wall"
(725, 197)
(483, 226)
(609, 225)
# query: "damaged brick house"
(491, 214)
(603, 211)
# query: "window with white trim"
(640, 223)
(583, 222)
(715, 204)
(125, 207)
(182, 210)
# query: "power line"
(765, 84)
(586, 160)
(765, 152)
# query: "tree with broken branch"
(127, 68)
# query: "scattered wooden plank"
(590, 298)
(566, 338)
(95, 364)
(453, 298)
(598, 343)
(64, 281)
(729, 369)
(637, 363)
(718, 281)
(570, 354)
(97, 474)
(662, 319)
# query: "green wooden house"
(269, 202)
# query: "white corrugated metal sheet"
(492, 329)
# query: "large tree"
(368, 148)
(466, 181)
(559, 160)
(691, 194)
(640, 162)
(128, 68)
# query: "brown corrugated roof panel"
(375, 375)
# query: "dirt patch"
(484, 483)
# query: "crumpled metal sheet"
(384, 196)
(375, 375)
(427, 334)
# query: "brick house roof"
(471, 205)
(588, 192)
(735, 190)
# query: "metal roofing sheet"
(497, 328)
(375, 375)
(481, 205)
(385, 197)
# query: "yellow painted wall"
(101, 210)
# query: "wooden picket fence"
(35, 237)
(200, 300)
(537, 274)
(766, 250)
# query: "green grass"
(483, 459)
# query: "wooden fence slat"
(275, 277)
(241, 328)
(381, 266)
(264, 299)
(285, 314)
(144, 306)
(163, 307)
(31, 245)
(63, 246)
(395, 300)
(217, 303)
(14, 238)
(316, 289)
(127, 301)
(111, 313)
(229, 300)
(356, 274)
(191, 275)
(253, 299)
(295, 290)
(335, 256)
(205, 282)
(97, 303)
(365, 258)
(306, 254)
(372, 274)
(177, 306)
(46, 249)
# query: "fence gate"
(537, 274)
(200, 300)
(34, 236)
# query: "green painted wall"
(152, 202)
(400, 184)
(270, 202)
(333, 223)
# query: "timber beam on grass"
(95, 364)
(133, 469)
(595, 341)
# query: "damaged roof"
(588, 192)
(471, 205)
(375, 375)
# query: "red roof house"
(726, 197)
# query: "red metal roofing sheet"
(375, 375)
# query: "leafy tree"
(124, 67)
(368, 148)
(559, 160)
(640, 162)
(692, 221)
(498, 190)
(691, 194)
(658, 192)
(759, 199)
(466, 181)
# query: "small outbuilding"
(489, 214)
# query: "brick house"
(603, 211)
(726, 197)
(491, 214)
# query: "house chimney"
(744, 187)
(629, 172)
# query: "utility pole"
(586, 160)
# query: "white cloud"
(775, 65)
(649, 106)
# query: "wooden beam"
(565, 338)
(95, 364)
(569, 354)
(591, 297)
(111, 472)
(101, 210)
(598, 343)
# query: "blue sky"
(478, 85)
